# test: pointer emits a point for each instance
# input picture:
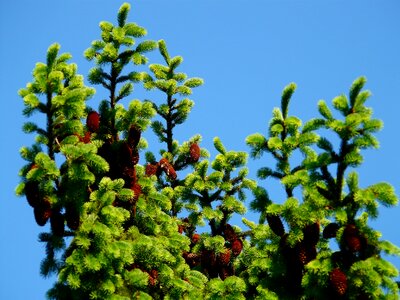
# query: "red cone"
(229, 233)
(93, 121)
(338, 281)
(352, 238)
(225, 257)
(194, 152)
(168, 169)
(196, 238)
(237, 247)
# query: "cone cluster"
(162, 166)
(122, 157)
(211, 263)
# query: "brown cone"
(330, 230)
(192, 259)
(237, 247)
(196, 238)
(225, 257)
(168, 169)
(225, 271)
(125, 156)
(152, 169)
(134, 136)
(73, 218)
(311, 234)
(275, 224)
(194, 152)
(57, 223)
(229, 233)
(42, 212)
(137, 190)
(86, 138)
(352, 238)
(338, 281)
(93, 121)
(32, 193)
(153, 276)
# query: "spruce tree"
(131, 223)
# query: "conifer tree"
(126, 223)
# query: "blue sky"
(246, 51)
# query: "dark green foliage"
(127, 226)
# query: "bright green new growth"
(322, 177)
(123, 230)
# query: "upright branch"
(116, 50)
(172, 84)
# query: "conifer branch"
(341, 169)
(170, 125)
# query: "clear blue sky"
(246, 51)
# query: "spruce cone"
(134, 136)
(208, 258)
(330, 230)
(224, 258)
(305, 253)
(311, 234)
(126, 156)
(225, 272)
(93, 121)
(32, 193)
(135, 157)
(194, 152)
(209, 263)
(137, 190)
(152, 169)
(181, 228)
(168, 169)
(229, 234)
(192, 259)
(57, 223)
(153, 276)
(86, 138)
(237, 247)
(338, 281)
(275, 224)
(283, 246)
(42, 212)
(352, 238)
(311, 253)
(73, 218)
(152, 281)
(195, 238)
(353, 243)
(302, 254)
